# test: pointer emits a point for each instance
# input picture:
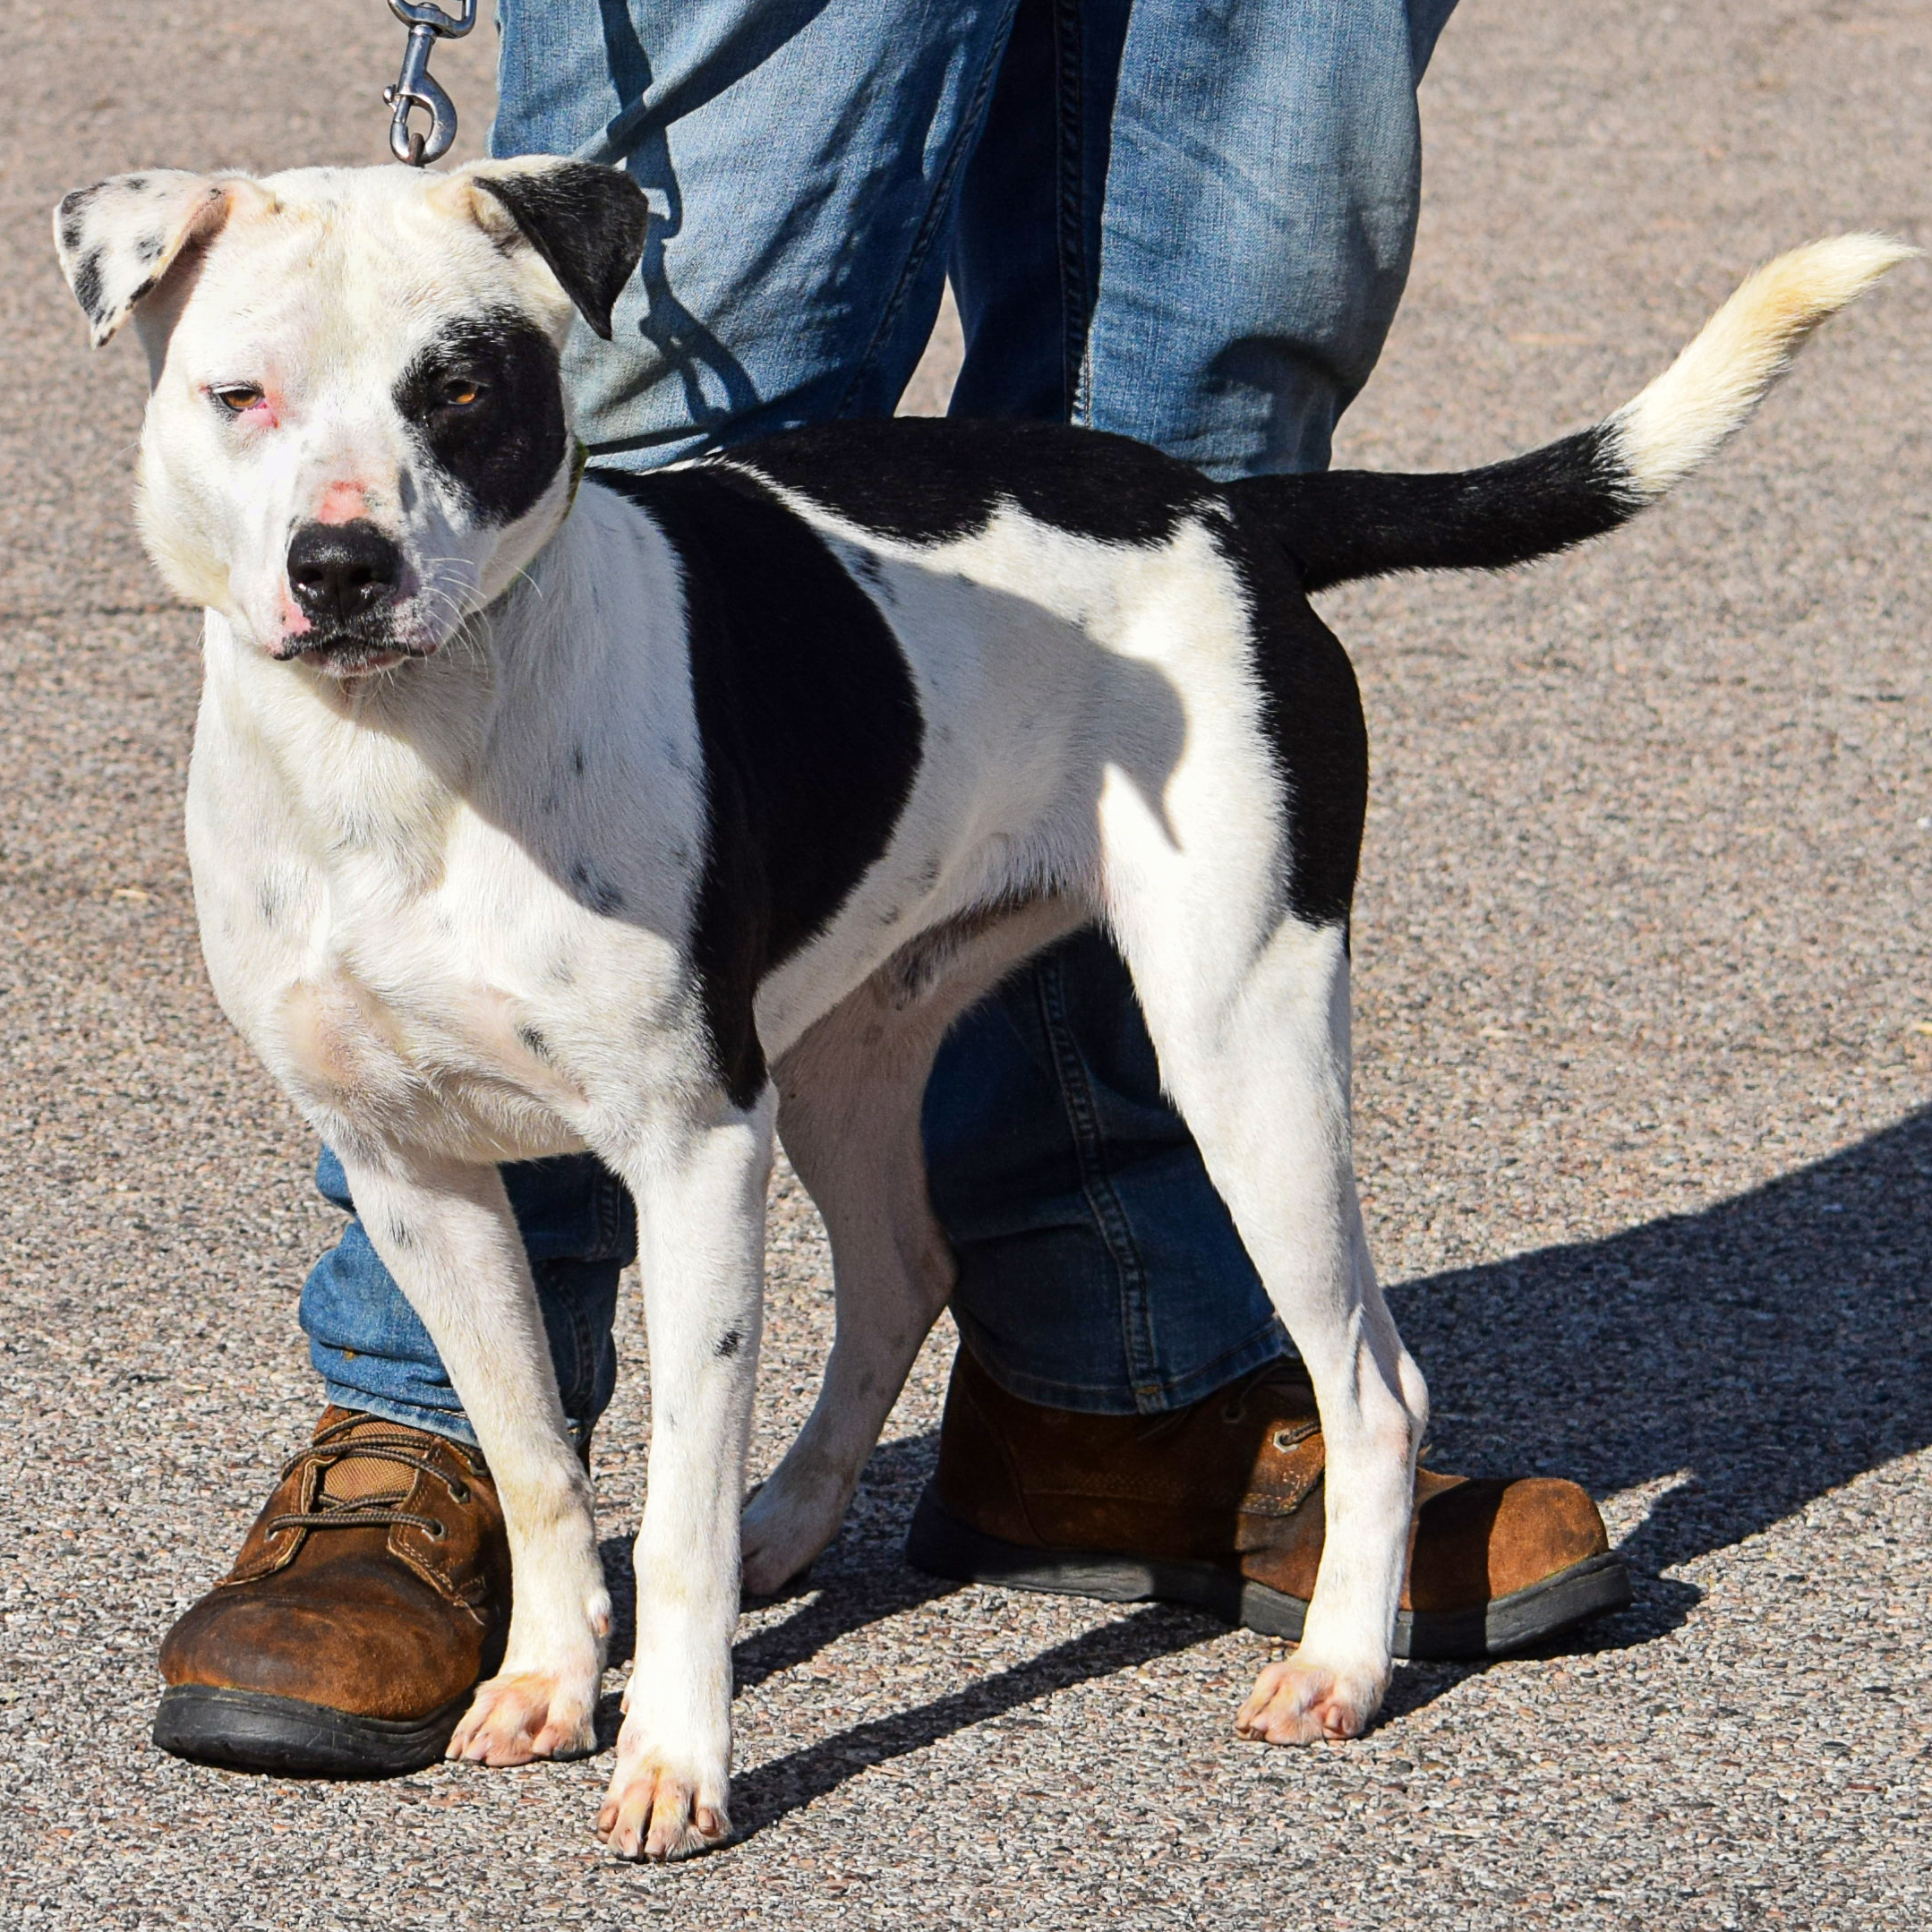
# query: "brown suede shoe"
(370, 1597)
(1219, 1506)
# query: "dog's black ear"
(118, 240)
(587, 222)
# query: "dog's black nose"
(340, 571)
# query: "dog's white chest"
(465, 1067)
(410, 971)
(403, 1019)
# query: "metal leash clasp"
(415, 88)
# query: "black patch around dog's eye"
(811, 732)
(728, 1344)
(505, 447)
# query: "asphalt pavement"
(1644, 1039)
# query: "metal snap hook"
(415, 88)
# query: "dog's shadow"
(1737, 1363)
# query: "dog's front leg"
(700, 1195)
(448, 1235)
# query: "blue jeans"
(1186, 220)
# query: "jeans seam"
(963, 140)
(605, 1192)
(453, 1425)
(583, 1397)
(1070, 204)
(1097, 1184)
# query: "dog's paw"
(658, 1811)
(1302, 1700)
(785, 1525)
(526, 1714)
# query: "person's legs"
(801, 157)
(1191, 227)
(373, 1352)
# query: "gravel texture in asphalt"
(1644, 1036)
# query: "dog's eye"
(457, 392)
(236, 396)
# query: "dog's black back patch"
(811, 732)
(931, 481)
(926, 479)
(506, 446)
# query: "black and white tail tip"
(1358, 523)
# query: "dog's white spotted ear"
(118, 239)
(587, 222)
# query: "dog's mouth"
(352, 660)
(350, 650)
(347, 656)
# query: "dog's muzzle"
(345, 579)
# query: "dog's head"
(357, 433)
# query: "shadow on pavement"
(1741, 1361)
(1761, 1353)
(766, 1794)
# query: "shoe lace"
(404, 1449)
(1235, 1407)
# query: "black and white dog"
(654, 815)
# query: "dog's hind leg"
(1259, 1066)
(447, 1234)
(851, 1094)
(1245, 993)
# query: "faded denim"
(1187, 221)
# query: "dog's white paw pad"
(1307, 1702)
(652, 1812)
(529, 1715)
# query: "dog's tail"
(1347, 524)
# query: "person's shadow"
(1740, 1361)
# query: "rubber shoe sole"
(942, 1545)
(251, 1730)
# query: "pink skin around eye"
(265, 414)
